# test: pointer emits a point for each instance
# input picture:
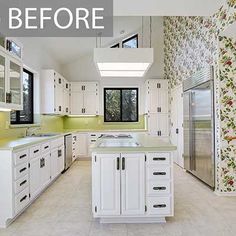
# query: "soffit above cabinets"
(166, 7)
(123, 62)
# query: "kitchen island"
(132, 179)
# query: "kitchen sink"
(43, 135)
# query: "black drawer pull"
(24, 182)
(159, 173)
(159, 158)
(159, 206)
(46, 147)
(159, 188)
(23, 156)
(24, 198)
(123, 163)
(118, 163)
(23, 169)
(36, 151)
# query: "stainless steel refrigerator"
(199, 126)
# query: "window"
(26, 116)
(121, 104)
(116, 46)
(131, 42)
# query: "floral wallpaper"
(227, 72)
(191, 43)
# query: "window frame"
(31, 121)
(130, 38)
(117, 45)
(121, 89)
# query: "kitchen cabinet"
(11, 91)
(55, 93)
(84, 98)
(107, 184)
(123, 177)
(25, 173)
(132, 187)
(82, 140)
(157, 101)
(133, 184)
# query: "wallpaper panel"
(191, 43)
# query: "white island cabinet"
(132, 184)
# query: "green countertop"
(145, 141)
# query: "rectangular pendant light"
(123, 62)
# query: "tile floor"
(64, 209)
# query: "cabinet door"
(82, 143)
(133, 184)
(15, 84)
(2, 78)
(152, 124)
(58, 98)
(107, 184)
(90, 87)
(66, 101)
(45, 170)
(54, 163)
(90, 103)
(162, 100)
(35, 179)
(77, 103)
(163, 124)
(60, 159)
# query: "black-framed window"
(26, 116)
(115, 46)
(131, 42)
(121, 105)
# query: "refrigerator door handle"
(191, 129)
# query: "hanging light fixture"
(123, 62)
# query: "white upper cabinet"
(11, 72)
(157, 103)
(55, 93)
(84, 99)
(133, 184)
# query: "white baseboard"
(225, 194)
(132, 220)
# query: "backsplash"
(97, 123)
(191, 43)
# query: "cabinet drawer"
(158, 172)
(21, 157)
(57, 142)
(21, 170)
(159, 205)
(21, 184)
(21, 200)
(158, 188)
(35, 151)
(45, 147)
(158, 158)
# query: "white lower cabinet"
(25, 173)
(132, 187)
(82, 142)
(118, 181)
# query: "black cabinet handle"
(159, 206)
(24, 182)
(159, 188)
(59, 108)
(23, 169)
(123, 163)
(177, 131)
(118, 163)
(159, 158)
(59, 153)
(159, 173)
(23, 156)
(36, 151)
(46, 147)
(24, 198)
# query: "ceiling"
(166, 7)
(65, 50)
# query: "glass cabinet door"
(15, 83)
(2, 78)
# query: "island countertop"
(138, 142)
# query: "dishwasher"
(68, 151)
